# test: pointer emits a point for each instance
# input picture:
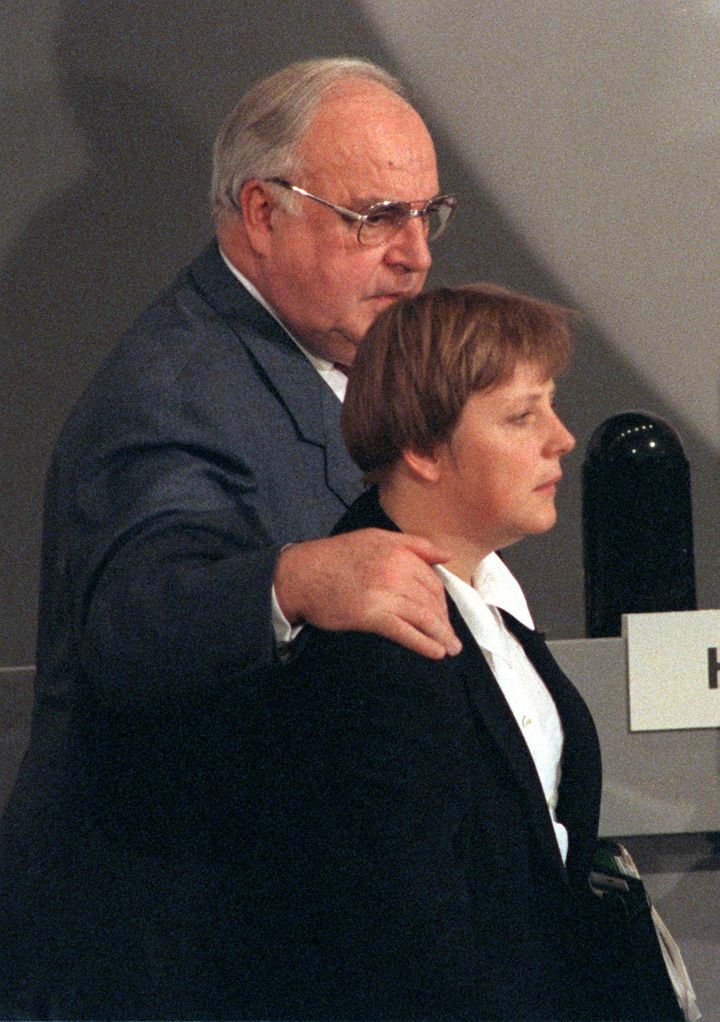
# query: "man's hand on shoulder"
(370, 580)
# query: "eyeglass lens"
(386, 218)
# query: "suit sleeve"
(180, 600)
(169, 498)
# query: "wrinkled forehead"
(370, 143)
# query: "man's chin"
(337, 348)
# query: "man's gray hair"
(261, 136)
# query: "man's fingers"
(423, 628)
(399, 631)
(428, 621)
(430, 552)
(429, 579)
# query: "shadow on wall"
(145, 86)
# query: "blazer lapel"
(581, 781)
(311, 404)
(492, 713)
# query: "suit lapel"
(341, 473)
(310, 403)
(491, 712)
(581, 781)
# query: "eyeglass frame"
(361, 218)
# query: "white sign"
(673, 669)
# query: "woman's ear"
(423, 465)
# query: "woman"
(429, 825)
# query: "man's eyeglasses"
(377, 223)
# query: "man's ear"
(257, 203)
(423, 465)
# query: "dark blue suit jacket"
(411, 870)
(204, 443)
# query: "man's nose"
(409, 246)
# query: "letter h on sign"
(713, 667)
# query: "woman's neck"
(414, 511)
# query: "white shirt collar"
(335, 378)
(497, 585)
(478, 615)
(493, 586)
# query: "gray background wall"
(582, 136)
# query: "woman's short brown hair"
(424, 356)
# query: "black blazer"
(408, 861)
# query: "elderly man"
(325, 273)
(186, 505)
